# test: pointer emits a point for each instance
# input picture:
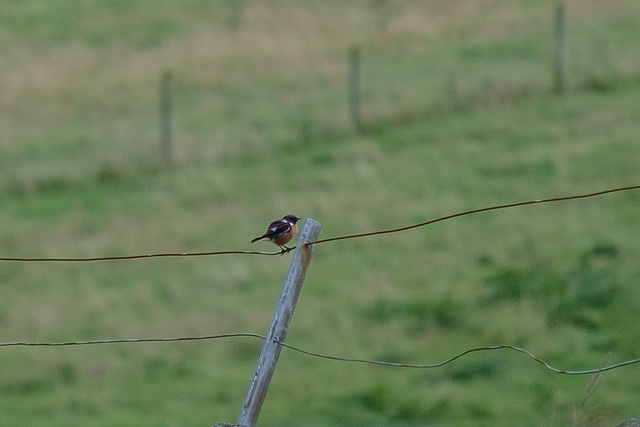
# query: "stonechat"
(281, 231)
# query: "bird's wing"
(277, 227)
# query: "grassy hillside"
(459, 114)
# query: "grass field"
(459, 113)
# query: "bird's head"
(291, 219)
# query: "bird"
(281, 231)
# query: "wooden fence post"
(165, 119)
(279, 324)
(559, 51)
(354, 88)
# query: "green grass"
(459, 112)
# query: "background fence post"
(354, 87)
(165, 119)
(279, 324)
(559, 51)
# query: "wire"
(461, 354)
(475, 211)
(128, 340)
(331, 239)
(326, 356)
(141, 256)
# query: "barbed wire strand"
(330, 357)
(331, 239)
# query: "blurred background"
(165, 126)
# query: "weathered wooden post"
(279, 324)
(165, 119)
(559, 52)
(354, 88)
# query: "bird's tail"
(257, 238)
